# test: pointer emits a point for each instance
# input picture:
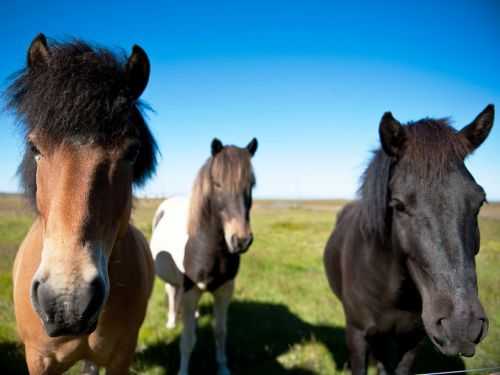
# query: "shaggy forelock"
(81, 91)
(232, 168)
(81, 94)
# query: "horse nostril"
(483, 330)
(34, 288)
(249, 241)
(34, 293)
(440, 323)
(234, 242)
(92, 299)
(43, 301)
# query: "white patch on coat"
(169, 238)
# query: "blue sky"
(309, 79)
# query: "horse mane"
(232, 168)
(432, 147)
(80, 95)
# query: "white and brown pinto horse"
(83, 274)
(197, 243)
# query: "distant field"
(284, 319)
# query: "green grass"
(283, 319)
(15, 219)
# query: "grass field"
(283, 320)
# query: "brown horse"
(83, 274)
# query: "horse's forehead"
(76, 151)
(453, 184)
(431, 171)
(84, 162)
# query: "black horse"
(401, 258)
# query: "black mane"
(431, 147)
(373, 194)
(80, 95)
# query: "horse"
(83, 274)
(401, 257)
(197, 243)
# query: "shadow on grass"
(258, 333)
(12, 359)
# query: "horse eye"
(217, 185)
(35, 151)
(132, 153)
(398, 205)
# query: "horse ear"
(392, 135)
(479, 129)
(38, 53)
(137, 71)
(217, 146)
(252, 146)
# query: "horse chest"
(381, 302)
(209, 270)
(398, 322)
(399, 309)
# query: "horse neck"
(210, 231)
(124, 239)
(384, 248)
(387, 255)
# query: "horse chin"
(237, 251)
(233, 251)
(79, 329)
(466, 349)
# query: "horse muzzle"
(68, 313)
(240, 245)
(455, 336)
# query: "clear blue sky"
(309, 79)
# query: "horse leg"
(120, 367)
(190, 301)
(222, 298)
(172, 302)
(89, 368)
(396, 354)
(381, 369)
(122, 359)
(406, 364)
(358, 350)
(38, 364)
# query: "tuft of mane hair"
(80, 95)
(430, 150)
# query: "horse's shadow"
(259, 333)
(12, 359)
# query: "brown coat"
(112, 344)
